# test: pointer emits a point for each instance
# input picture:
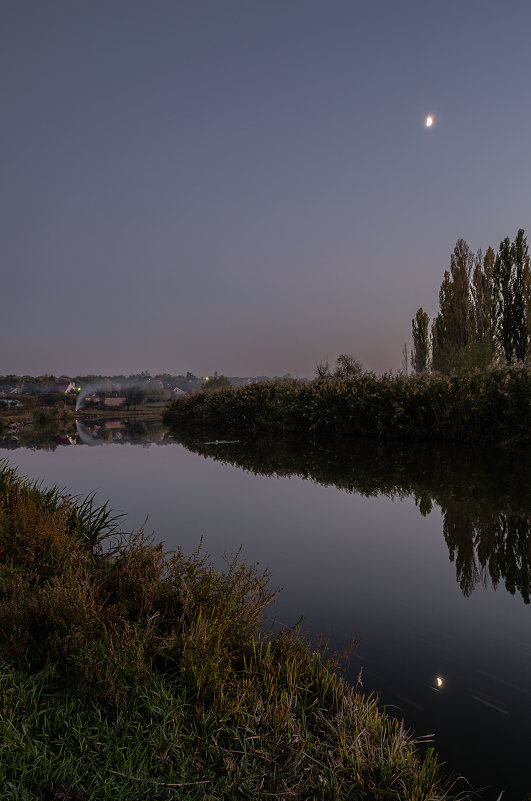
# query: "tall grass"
(82, 517)
(491, 405)
(128, 673)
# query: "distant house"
(114, 403)
(63, 387)
(177, 391)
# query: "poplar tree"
(484, 309)
(461, 264)
(512, 293)
(520, 285)
(452, 329)
(483, 297)
(421, 344)
(503, 304)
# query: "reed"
(492, 405)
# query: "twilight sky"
(248, 186)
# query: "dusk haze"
(249, 187)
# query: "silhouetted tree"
(421, 342)
(511, 296)
(405, 359)
(520, 292)
(484, 307)
(346, 367)
(452, 328)
(216, 382)
(483, 298)
(322, 369)
(504, 297)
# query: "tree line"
(484, 310)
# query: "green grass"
(129, 673)
(492, 405)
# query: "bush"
(491, 405)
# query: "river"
(421, 552)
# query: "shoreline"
(158, 654)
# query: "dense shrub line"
(492, 405)
(128, 673)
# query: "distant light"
(429, 121)
(439, 681)
(207, 378)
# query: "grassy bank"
(484, 406)
(128, 673)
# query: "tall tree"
(421, 343)
(452, 329)
(461, 264)
(405, 360)
(482, 297)
(484, 307)
(511, 296)
(503, 297)
(520, 286)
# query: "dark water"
(422, 552)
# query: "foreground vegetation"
(491, 405)
(127, 673)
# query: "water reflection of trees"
(484, 494)
(488, 549)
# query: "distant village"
(111, 392)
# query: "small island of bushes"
(480, 405)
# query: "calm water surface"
(422, 553)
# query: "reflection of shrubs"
(155, 674)
(42, 418)
(137, 429)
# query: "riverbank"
(130, 673)
(492, 405)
